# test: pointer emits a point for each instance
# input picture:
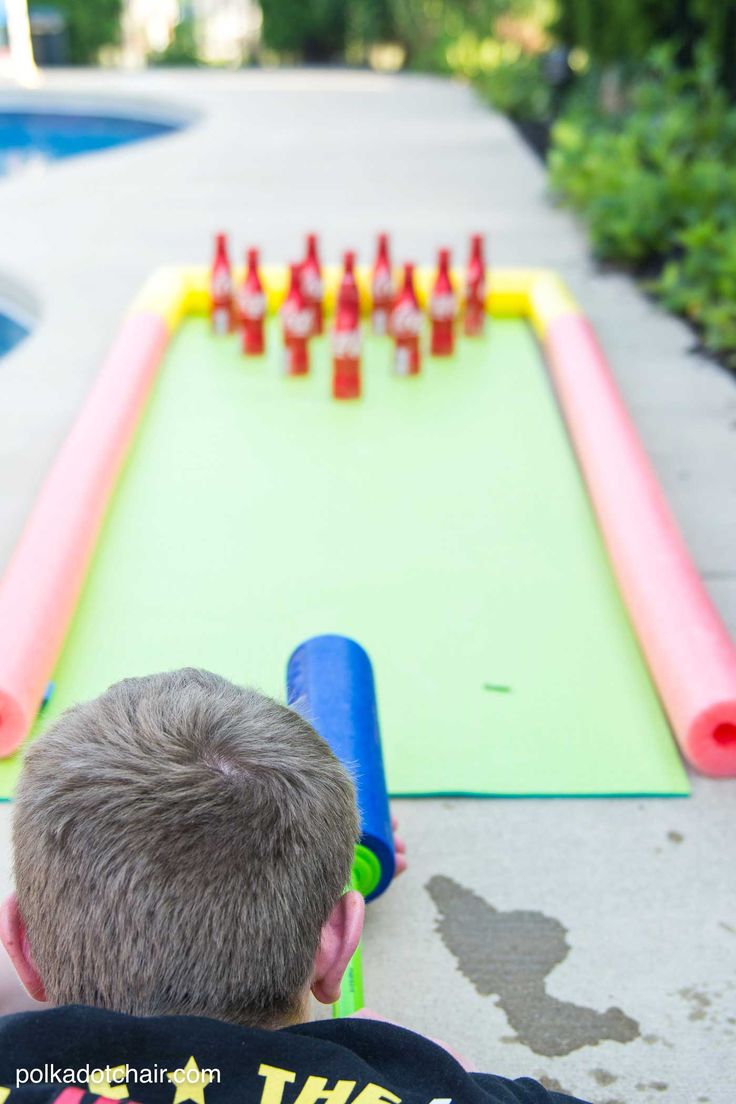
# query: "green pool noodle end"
(351, 993)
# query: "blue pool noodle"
(329, 681)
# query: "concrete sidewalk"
(625, 910)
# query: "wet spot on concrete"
(510, 955)
(658, 1086)
(675, 837)
(603, 1077)
(699, 1002)
(652, 1039)
(551, 1084)
(727, 927)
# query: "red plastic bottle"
(252, 307)
(443, 308)
(475, 289)
(312, 284)
(382, 287)
(221, 289)
(406, 326)
(297, 319)
(346, 336)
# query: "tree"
(626, 30)
(311, 30)
(370, 21)
(91, 24)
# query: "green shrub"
(314, 31)
(627, 30)
(182, 50)
(513, 82)
(656, 183)
(701, 283)
(91, 24)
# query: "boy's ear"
(13, 935)
(340, 936)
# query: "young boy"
(182, 848)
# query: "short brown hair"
(179, 843)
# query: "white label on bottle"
(346, 344)
(383, 287)
(252, 305)
(380, 321)
(221, 285)
(297, 323)
(402, 362)
(221, 320)
(312, 285)
(406, 320)
(442, 308)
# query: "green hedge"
(656, 184)
(182, 50)
(625, 31)
(313, 31)
(91, 24)
(514, 82)
(320, 30)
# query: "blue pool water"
(31, 135)
(11, 332)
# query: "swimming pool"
(27, 136)
(11, 331)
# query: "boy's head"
(182, 845)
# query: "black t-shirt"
(180, 1059)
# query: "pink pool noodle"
(690, 654)
(39, 591)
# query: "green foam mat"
(441, 521)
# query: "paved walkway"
(621, 905)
